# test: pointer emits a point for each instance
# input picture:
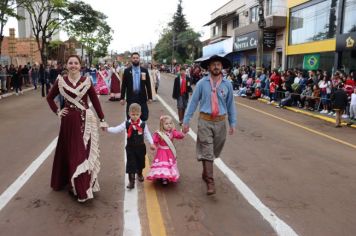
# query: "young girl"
(164, 166)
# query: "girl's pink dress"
(164, 165)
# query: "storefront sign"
(246, 41)
(346, 42)
(250, 40)
(269, 39)
(311, 62)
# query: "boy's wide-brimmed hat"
(224, 61)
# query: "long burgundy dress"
(115, 86)
(76, 161)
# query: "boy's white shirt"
(122, 127)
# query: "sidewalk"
(13, 93)
(310, 113)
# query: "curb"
(311, 114)
(13, 93)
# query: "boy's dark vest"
(135, 139)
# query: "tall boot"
(209, 177)
(203, 175)
(131, 184)
(180, 115)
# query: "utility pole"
(261, 26)
(172, 51)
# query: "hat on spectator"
(224, 61)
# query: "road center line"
(280, 227)
(132, 224)
(154, 214)
(10, 192)
(299, 126)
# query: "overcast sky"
(137, 22)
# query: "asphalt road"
(301, 168)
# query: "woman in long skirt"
(115, 86)
(76, 162)
(101, 86)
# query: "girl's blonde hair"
(162, 119)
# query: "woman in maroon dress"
(76, 162)
(115, 85)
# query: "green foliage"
(179, 23)
(47, 17)
(89, 27)
(178, 41)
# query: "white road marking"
(10, 192)
(280, 227)
(132, 224)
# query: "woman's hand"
(62, 113)
(103, 125)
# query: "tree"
(47, 17)
(178, 42)
(89, 27)
(179, 23)
(7, 9)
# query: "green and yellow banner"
(311, 62)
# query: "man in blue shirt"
(136, 86)
(214, 94)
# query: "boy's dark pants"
(135, 156)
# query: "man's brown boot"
(208, 166)
(131, 184)
(203, 175)
(180, 116)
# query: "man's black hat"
(224, 61)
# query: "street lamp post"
(261, 26)
(172, 52)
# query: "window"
(236, 22)
(254, 14)
(215, 30)
(269, 7)
(313, 22)
(349, 21)
(275, 7)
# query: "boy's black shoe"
(140, 177)
(131, 184)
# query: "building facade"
(25, 25)
(321, 34)
(237, 21)
(19, 51)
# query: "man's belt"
(208, 117)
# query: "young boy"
(136, 130)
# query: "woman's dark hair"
(76, 56)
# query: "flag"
(311, 62)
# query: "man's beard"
(216, 72)
(135, 63)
